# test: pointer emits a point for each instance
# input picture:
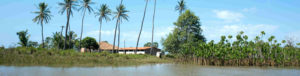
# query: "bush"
(104, 53)
(170, 56)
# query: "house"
(140, 50)
(105, 46)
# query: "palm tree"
(67, 5)
(153, 26)
(181, 6)
(43, 16)
(85, 5)
(137, 43)
(119, 30)
(120, 14)
(103, 13)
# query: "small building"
(140, 50)
(105, 46)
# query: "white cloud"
(215, 32)
(228, 16)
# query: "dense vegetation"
(190, 46)
(55, 57)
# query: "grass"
(52, 57)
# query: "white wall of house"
(121, 52)
(158, 54)
(129, 52)
(132, 52)
(140, 52)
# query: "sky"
(280, 18)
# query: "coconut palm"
(181, 6)
(67, 5)
(137, 43)
(85, 6)
(43, 15)
(153, 26)
(120, 14)
(103, 13)
(119, 30)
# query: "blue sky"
(280, 18)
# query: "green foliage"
(33, 44)
(187, 30)
(23, 37)
(43, 15)
(148, 44)
(171, 43)
(57, 40)
(90, 43)
(257, 52)
(55, 57)
(181, 6)
(188, 25)
(103, 13)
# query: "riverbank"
(53, 57)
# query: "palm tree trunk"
(100, 33)
(82, 28)
(42, 33)
(69, 36)
(67, 25)
(116, 28)
(118, 37)
(61, 37)
(153, 27)
(137, 43)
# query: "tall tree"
(180, 7)
(103, 13)
(24, 38)
(67, 5)
(43, 15)
(153, 26)
(85, 6)
(178, 36)
(137, 43)
(120, 14)
(119, 31)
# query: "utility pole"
(62, 28)
(124, 43)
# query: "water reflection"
(148, 70)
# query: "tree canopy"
(90, 43)
(148, 44)
(187, 30)
(24, 38)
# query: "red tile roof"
(134, 48)
(106, 46)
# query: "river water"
(148, 70)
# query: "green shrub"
(170, 56)
(104, 53)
